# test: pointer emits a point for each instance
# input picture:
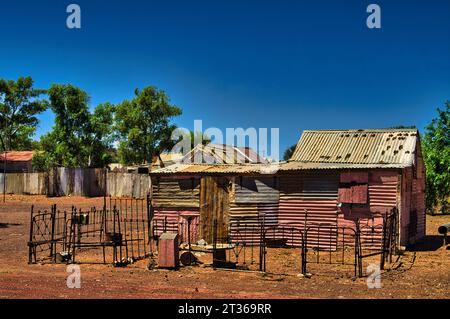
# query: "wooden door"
(214, 205)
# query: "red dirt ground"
(422, 272)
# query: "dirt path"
(423, 272)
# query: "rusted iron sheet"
(260, 169)
(354, 194)
(221, 154)
(354, 177)
(17, 156)
(256, 190)
(419, 205)
(371, 225)
(357, 146)
(24, 183)
(76, 181)
(172, 220)
(247, 220)
(168, 255)
(359, 194)
(216, 169)
(309, 199)
(176, 193)
(383, 190)
(382, 197)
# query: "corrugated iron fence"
(89, 182)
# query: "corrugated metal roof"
(295, 166)
(260, 169)
(222, 154)
(369, 146)
(17, 156)
(190, 169)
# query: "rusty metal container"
(168, 254)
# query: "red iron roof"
(17, 156)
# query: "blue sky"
(294, 65)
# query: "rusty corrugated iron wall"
(314, 192)
(176, 220)
(310, 198)
(24, 183)
(254, 201)
(180, 192)
(382, 189)
(76, 182)
(174, 201)
(128, 185)
(419, 197)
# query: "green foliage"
(19, 107)
(101, 136)
(436, 149)
(143, 125)
(78, 138)
(289, 152)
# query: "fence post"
(52, 245)
(383, 243)
(303, 251)
(358, 248)
(30, 242)
(149, 223)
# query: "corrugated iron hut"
(334, 177)
(232, 194)
(16, 161)
(339, 176)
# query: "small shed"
(16, 161)
(235, 195)
(343, 175)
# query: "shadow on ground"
(6, 225)
(428, 243)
